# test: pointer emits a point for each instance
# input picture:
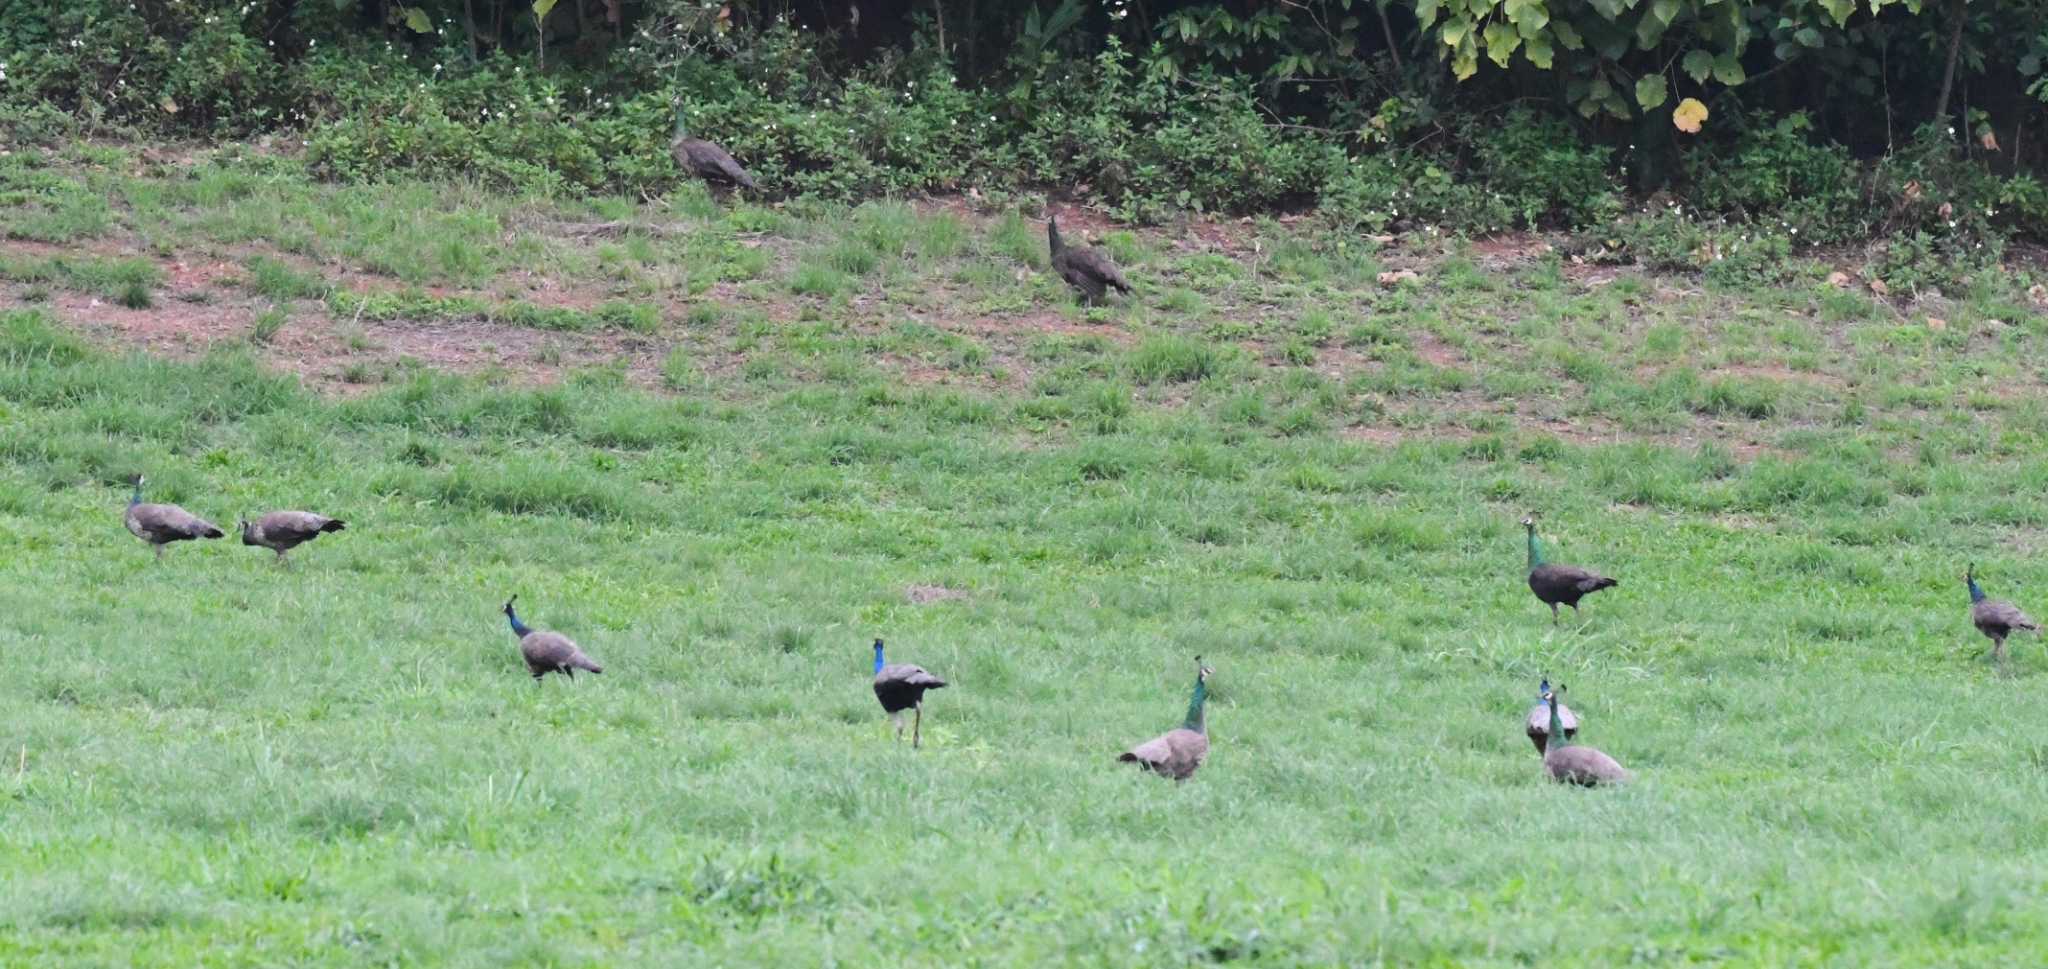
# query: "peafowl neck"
(1535, 551)
(1053, 243)
(1976, 591)
(518, 628)
(1557, 736)
(136, 499)
(878, 657)
(1198, 720)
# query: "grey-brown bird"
(900, 687)
(1995, 618)
(282, 531)
(1570, 763)
(1538, 723)
(1559, 585)
(547, 652)
(1086, 268)
(1179, 753)
(160, 525)
(705, 159)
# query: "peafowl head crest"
(1543, 689)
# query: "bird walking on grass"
(282, 531)
(706, 160)
(160, 525)
(900, 687)
(1179, 753)
(1570, 763)
(1538, 724)
(1559, 584)
(1995, 618)
(1086, 268)
(547, 652)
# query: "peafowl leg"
(1553, 613)
(896, 719)
(917, 726)
(159, 554)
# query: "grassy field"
(725, 446)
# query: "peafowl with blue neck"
(547, 652)
(1537, 725)
(1558, 585)
(1179, 753)
(900, 687)
(1995, 618)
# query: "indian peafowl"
(160, 525)
(706, 160)
(547, 652)
(1085, 268)
(1569, 763)
(1559, 584)
(901, 687)
(1538, 724)
(282, 531)
(1995, 618)
(1179, 753)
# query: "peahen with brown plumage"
(282, 531)
(1086, 268)
(1570, 763)
(1537, 726)
(547, 652)
(900, 687)
(1995, 618)
(1559, 584)
(706, 160)
(160, 525)
(1179, 753)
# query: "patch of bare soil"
(922, 595)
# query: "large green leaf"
(1648, 32)
(1728, 69)
(1501, 41)
(541, 8)
(1651, 90)
(1665, 11)
(418, 20)
(1537, 50)
(1425, 12)
(1568, 35)
(1698, 65)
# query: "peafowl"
(1559, 584)
(1538, 724)
(547, 652)
(1179, 753)
(1569, 763)
(160, 525)
(900, 687)
(282, 531)
(1995, 618)
(1085, 268)
(706, 160)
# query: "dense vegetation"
(1817, 122)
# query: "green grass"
(1311, 481)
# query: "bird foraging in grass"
(160, 525)
(1995, 618)
(1538, 723)
(1179, 753)
(1556, 584)
(901, 687)
(282, 531)
(705, 159)
(1570, 763)
(1086, 268)
(547, 652)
